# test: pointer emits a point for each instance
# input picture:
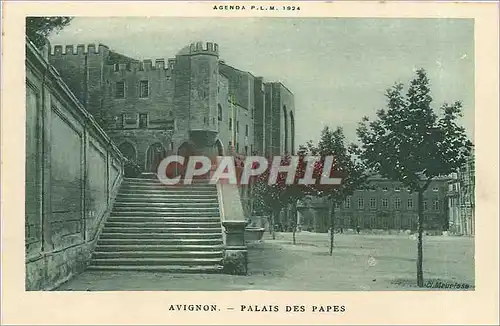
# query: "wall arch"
(219, 148)
(128, 150)
(154, 155)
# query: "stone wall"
(73, 171)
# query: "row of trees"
(409, 142)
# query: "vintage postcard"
(250, 163)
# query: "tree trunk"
(332, 226)
(420, 272)
(272, 225)
(294, 220)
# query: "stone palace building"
(191, 103)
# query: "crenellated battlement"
(80, 49)
(144, 65)
(201, 48)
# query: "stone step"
(157, 254)
(146, 180)
(169, 192)
(151, 182)
(156, 220)
(166, 224)
(156, 261)
(161, 248)
(171, 268)
(144, 208)
(216, 241)
(161, 199)
(105, 235)
(169, 230)
(166, 204)
(188, 187)
(186, 214)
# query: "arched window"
(219, 112)
(285, 143)
(292, 132)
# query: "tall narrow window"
(246, 130)
(219, 112)
(347, 202)
(361, 203)
(435, 204)
(373, 203)
(120, 89)
(410, 203)
(246, 150)
(143, 120)
(144, 89)
(397, 203)
(230, 123)
(237, 126)
(384, 203)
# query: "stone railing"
(73, 172)
(233, 224)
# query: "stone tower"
(195, 97)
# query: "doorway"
(155, 154)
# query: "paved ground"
(359, 262)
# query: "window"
(246, 150)
(237, 126)
(425, 204)
(237, 147)
(385, 188)
(397, 203)
(120, 89)
(397, 188)
(144, 89)
(435, 189)
(116, 67)
(384, 203)
(230, 123)
(410, 203)
(435, 204)
(143, 120)
(373, 203)
(347, 203)
(361, 203)
(337, 205)
(246, 130)
(219, 112)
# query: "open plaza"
(361, 262)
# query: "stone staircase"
(154, 227)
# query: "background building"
(461, 199)
(386, 205)
(192, 103)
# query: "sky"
(337, 68)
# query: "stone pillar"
(235, 256)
